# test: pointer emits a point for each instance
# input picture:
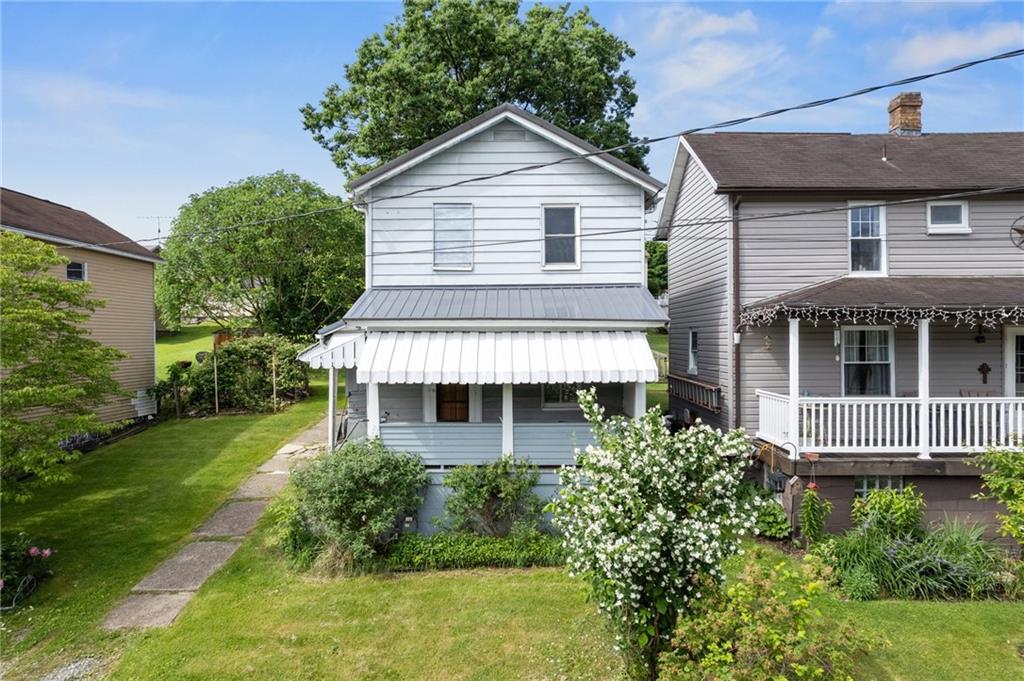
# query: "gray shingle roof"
(840, 161)
(916, 292)
(424, 148)
(538, 303)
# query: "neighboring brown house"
(121, 273)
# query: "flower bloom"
(46, 553)
(34, 551)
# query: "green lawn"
(183, 346)
(657, 395)
(133, 504)
(658, 341)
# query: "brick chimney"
(905, 114)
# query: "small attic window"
(75, 271)
(509, 135)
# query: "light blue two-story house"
(489, 302)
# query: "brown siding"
(126, 322)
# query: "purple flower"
(34, 551)
(46, 553)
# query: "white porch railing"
(859, 425)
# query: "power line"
(644, 141)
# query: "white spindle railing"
(892, 425)
(772, 417)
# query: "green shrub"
(289, 532)
(771, 520)
(1003, 480)
(814, 513)
(860, 585)
(350, 504)
(22, 566)
(247, 369)
(954, 561)
(896, 513)
(450, 550)
(763, 626)
(490, 499)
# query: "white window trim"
(1010, 334)
(472, 238)
(692, 366)
(892, 355)
(882, 236)
(877, 480)
(544, 236)
(965, 220)
(85, 270)
(556, 406)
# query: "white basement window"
(867, 239)
(561, 237)
(75, 271)
(948, 217)
(864, 485)
(453, 236)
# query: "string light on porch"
(990, 317)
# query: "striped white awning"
(506, 357)
(341, 350)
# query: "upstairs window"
(867, 239)
(75, 271)
(561, 237)
(453, 236)
(867, 361)
(948, 217)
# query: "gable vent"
(510, 135)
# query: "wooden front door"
(453, 402)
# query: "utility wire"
(644, 141)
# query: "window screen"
(560, 235)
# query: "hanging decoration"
(990, 317)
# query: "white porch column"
(794, 389)
(506, 419)
(332, 408)
(923, 390)
(634, 399)
(372, 410)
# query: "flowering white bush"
(648, 518)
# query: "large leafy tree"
(54, 375)
(657, 267)
(444, 61)
(275, 251)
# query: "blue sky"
(123, 110)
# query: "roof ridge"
(39, 198)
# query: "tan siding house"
(121, 273)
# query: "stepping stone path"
(160, 596)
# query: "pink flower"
(1, 585)
(812, 485)
(46, 553)
(34, 551)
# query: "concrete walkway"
(159, 597)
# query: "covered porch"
(896, 366)
(457, 397)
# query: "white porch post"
(634, 399)
(332, 407)
(506, 419)
(794, 388)
(923, 390)
(372, 410)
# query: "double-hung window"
(947, 217)
(453, 236)
(561, 237)
(75, 271)
(560, 395)
(867, 239)
(867, 361)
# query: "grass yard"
(658, 341)
(133, 504)
(183, 346)
(657, 395)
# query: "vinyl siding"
(507, 209)
(126, 322)
(698, 287)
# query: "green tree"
(657, 267)
(443, 62)
(273, 251)
(54, 375)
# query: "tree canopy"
(54, 375)
(443, 62)
(657, 267)
(275, 251)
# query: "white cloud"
(676, 23)
(886, 11)
(710, 64)
(930, 49)
(822, 35)
(69, 93)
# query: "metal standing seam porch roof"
(487, 357)
(608, 303)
